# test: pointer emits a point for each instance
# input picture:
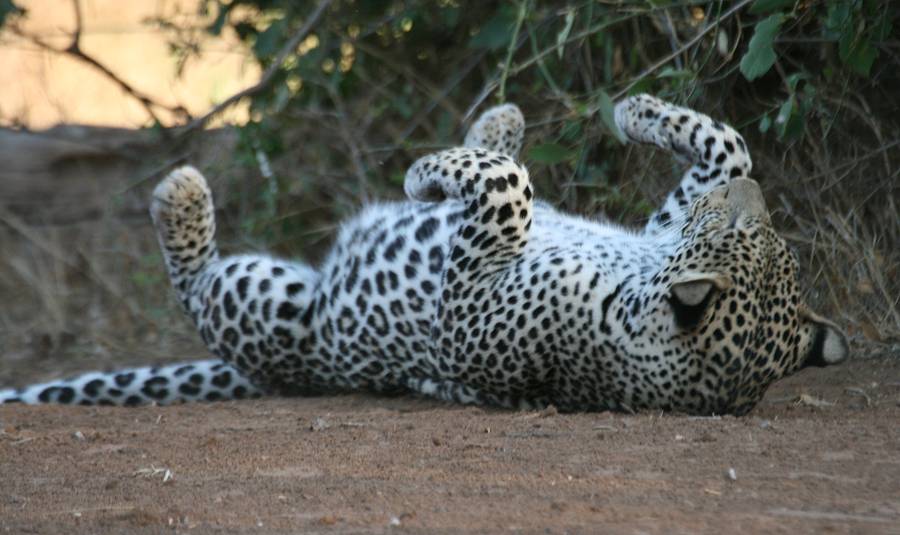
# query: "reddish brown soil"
(362, 464)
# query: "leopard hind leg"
(183, 214)
(253, 311)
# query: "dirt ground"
(821, 454)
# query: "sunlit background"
(138, 41)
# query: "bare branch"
(677, 52)
(76, 37)
(74, 50)
(267, 76)
(346, 132)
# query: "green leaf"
(882, 29)
(765, 123)
(216, 27)
(861, 57)
(571, 131)
(760, 55)
(268, 41)
(450, 16)
(790, 123)
(644, 85)
(785, 112)
(402, 106)
(794, 79)
(608, 115)
(669, 72)
(550, 153)
(497, 31)
(856, 51)
(445, 127)
(564, 34)
(761, 7)
(838, 19)
(8, 8)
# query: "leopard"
(473, 291)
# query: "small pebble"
(319, 424)
(732, 475)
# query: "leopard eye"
(690, 300)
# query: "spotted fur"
(474, 292)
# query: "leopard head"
(736, 302)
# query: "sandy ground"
(820, 455)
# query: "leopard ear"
(692, 288)
(829, 344)
(691, 293)
(746, 199)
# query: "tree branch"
(675, 53)
(74, 50)
(267, 76)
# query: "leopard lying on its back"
(474, 292)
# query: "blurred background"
(299, 112)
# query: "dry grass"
(81, 267)
(86, 296)
(836, 197)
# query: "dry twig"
(677, 52)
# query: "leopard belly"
(371, 319)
